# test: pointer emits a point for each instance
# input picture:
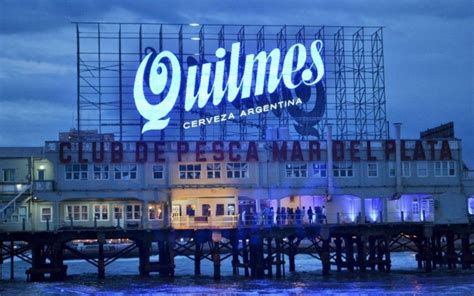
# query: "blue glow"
(267, 71)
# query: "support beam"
(216, 259)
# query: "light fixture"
(41, 167)
(195, 38)
(194, 25)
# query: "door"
(41, 175)
(118, 216)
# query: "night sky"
(428, 49)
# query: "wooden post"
(144, 257)
(338, 243)
(451, 253)
(325, 257)
(216, 258)
(37, 259)
(269, 260)
(291, 255)
(245, 253)
(278, 260)
(361, 250)
(466, 252)
(372, 252)
(235, 254)
(388, 260)
(380, 254)
(12, 261)
(349, 252)
(197, 257)
(260, 259)
(101, 257)
(1, 260)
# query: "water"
(122, 279)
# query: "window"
(470, 204)
(206, 210)
(134, 212)
(295, 170)
(231, 209)
(101, 171)
(101, 212)
(372, 170)
(391, 169)
(190, 171)
(190, 210)
(125, 172)
(422, 169)
(220, 210)
(445, 168)
(8, 175)
(319, 170)
(46, 214)
(343, 169)
(213, 170)
(237, 170)
(406, 169)
(155, 212)
(77, 171)
(415, 209)
(77, 212)
(158, 171)
(427, 209)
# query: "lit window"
(343, 170)
(158, 172)
(77, 171)
(296, 170)
(8, 175)
(125, 172)
(77, 212)
(134, 212)
(406, 172)
(213, 170)
(46, 214)
(101, 212)
(237, 170)
(445, 168)
(422, 169)
(372, 170)
(470, 202)
(190, 171)
(319, 170)
(101, 171)
(155, 212)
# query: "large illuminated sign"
(160, 78)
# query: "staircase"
(8, 206)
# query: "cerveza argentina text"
(160, 75)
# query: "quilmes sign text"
(262, 73)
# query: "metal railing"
(194, 222)
(11, 206)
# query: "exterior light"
(194, 25)
(195, 38)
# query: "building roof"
(10, 152)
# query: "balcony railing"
(43, 185)
(12, 188)
(195, 222)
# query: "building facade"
(99, 182)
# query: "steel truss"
(353, 87)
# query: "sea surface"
(122, 279)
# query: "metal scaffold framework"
(350, 96)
